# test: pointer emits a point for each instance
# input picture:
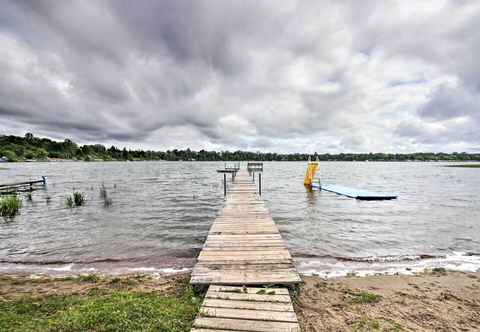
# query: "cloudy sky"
(282, 76)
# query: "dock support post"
(253, 177)
(225, 184)
(260, 184)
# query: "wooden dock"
(26, 185)
(246, 309)
(243, 249)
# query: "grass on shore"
(105, 306)
(465, 166)
(376, 325)
(365, 298)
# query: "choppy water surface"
(162, 211)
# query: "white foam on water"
(332, 268)
(175, 270)
(64, 268)
(165, 270)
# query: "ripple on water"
(162, 211)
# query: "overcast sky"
(281, 76)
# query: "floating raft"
(358, 193)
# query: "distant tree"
(41, 154)
(10, 155)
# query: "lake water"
(162, 211)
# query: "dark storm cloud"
(447, 103)
(243, 74)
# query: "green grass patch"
(365, 298)
(465, 166)
(89, 278)
(100, 312)
(440, 270)
(374, 325)
(10, 206)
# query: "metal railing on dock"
(254, 167)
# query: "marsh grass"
(10, 206)
(76, 199)
(69, 202)
(104, 195)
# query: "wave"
(371, 259)
(330, 266)
(63, 262)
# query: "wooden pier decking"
(244, 246)
(22, 185)
(246, 309)
(243, 249)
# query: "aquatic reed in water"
(103, 191)
(77, 199)
(10, 206)
(69, 202)
(104, 195)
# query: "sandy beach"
(430, 301)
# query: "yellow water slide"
(310, 174)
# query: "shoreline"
(459, 163)
(436, 300)
(325, 267)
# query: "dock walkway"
(243, 252)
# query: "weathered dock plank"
(246, 309)
(244, 246)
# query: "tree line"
(29, 147)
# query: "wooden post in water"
(225, 184)
(260, 184)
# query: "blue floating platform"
(357, 193)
